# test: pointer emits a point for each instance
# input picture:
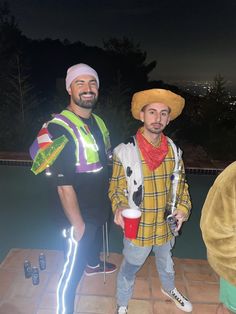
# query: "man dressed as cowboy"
(143, 177)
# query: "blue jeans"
(134, 258)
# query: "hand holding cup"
(131, 217)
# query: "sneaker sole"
(100, 273)
(176, 302)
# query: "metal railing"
(189, 170)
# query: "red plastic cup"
(131, 221)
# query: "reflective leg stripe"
(67, 271)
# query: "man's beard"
(155, 130)
(87, 104)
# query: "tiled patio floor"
(18, 296)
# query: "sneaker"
(122, 310)
(180, 300)
(99, 269)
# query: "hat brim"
(173, 101)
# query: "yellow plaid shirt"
(153, 230)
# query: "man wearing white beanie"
(78, 70)
(76, 145)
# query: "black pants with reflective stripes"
(77, 255)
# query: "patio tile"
(45, 311)
(95, 285)
(203, 292)
(53, 282)
(155, 287)
(179, 274)
(140, 307)
(166, 307)
(15, 259)
(17, 305)
(194, 278)
(95, 304)
(142, 289)
(199, 266)
(24, 287)
(6, 279)
(48, 301)
(205, 308)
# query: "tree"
(17, 97)
(9, 37)
(113, 107)
(218, 120)
(127, 59)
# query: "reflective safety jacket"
(44, 151)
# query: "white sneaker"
(122, 310)
(180, 300)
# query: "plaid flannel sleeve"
(118, 186)
(185, 201)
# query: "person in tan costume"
(218, 225)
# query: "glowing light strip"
(92, 146)
(71, 242)
(71, 132)
(48, 171)
(96, 170)
(71, 269)
(86, 146)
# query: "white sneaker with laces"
(122, 310)
(180, 300)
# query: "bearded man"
(76, 145)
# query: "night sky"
(191, 40)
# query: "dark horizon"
(190, 41)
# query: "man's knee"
(135, 255)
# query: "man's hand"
(180, 217)
(79, 231)
(71, 207)
(118, 218)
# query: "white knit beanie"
(77, 70)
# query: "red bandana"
(151, 154)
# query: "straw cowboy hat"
(150, 96)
